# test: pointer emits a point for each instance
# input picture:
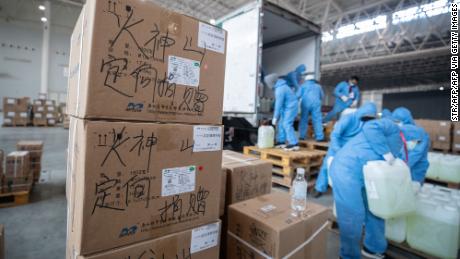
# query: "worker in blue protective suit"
(346, 95)
(311, 94)
(402, 116)
(295, 78)
(346, 128)
(286, 109)
(386, 113)
(417, 143)
(378, 140)
(416, 151)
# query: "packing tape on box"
(244, 161)
(80, 59)
(298, 248)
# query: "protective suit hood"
(367, 110)
(280, 83)
(404, 115)
(386, 113)
(412, 132)
(300, 69)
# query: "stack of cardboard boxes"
(45, 113)
(16, 111)
(440, 133)
(456, 137)
(51, 113)
(145, 145)
(35, 149)
(39, 113)
(18, 176)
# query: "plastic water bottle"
(299, 193)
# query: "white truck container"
(264, 36)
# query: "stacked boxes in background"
(157, 181)
(18, 176)
(39, 111)
(61, 111)
(16, 111)
(456, 137)
(35, 149)
(264, 225)
(51, 113)
(440, 133)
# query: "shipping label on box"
(38, 115)
(23, 115)
(11, 114)
(11, 101)
(151, 63)
(137, 181)
(201, 242)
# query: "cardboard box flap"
(229, 156)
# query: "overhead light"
(212, 21)
(41, 7)
(43, 19)
(441, 88)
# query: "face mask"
(411, 144)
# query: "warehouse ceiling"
(403, 54)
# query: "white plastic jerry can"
(389, 189)
(265, 137)
(395, 229)
(434, 228)
(433, 169)
(449, 169)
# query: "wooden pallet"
(14, 199)
(314, 145)
(286, 181)
(443, 183)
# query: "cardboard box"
(35, 147)
(223, 183)
(267, 225)
(442, 135)
(51, 122)
(9, 104)
(17, 164)
(456, 137)
(200, 242)
(130, 182)
(18, 184)
(154, 65)
(49, 103)
(38, 108)
(247, 177)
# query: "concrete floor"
(38, 229)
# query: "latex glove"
(274, 121)
(351, 95)
(411, 144)
(389, 158)
(355, 103)
(344, 98)
(329, 162)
